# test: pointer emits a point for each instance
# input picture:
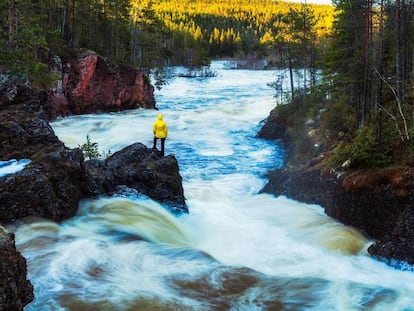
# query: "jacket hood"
(160, 116)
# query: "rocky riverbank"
(57, 177)
(379, 202)
(16, 291)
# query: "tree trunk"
(400, 49)
(11, 21)
(292, 86)
(380, 62)
(367, 61)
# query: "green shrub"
(337, 117)
(90, 149)
(364, 151)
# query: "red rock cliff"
(89, 83)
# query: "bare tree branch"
(407, 136)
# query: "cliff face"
(379, 202)
(89, 83)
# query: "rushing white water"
(236, 249)
(12, 166)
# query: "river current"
(237, 249)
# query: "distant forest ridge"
(238, 28)
(156, 33)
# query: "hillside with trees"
(154, 33)
(349, 139)
(363, 109)
(364, 105)
(370, 68)
(238, 28)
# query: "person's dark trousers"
(162, 145)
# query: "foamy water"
(236, 249)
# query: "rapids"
(235, 250)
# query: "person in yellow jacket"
(160, 130)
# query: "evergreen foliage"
(23, 44)
(363, 151)
(364, 48)
(150, 33)
(239, 28)
(90, 149)
(369, 80)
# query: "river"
(237, 249)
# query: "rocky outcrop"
(139, 168)
(379, 202)
(89, 83)
(145, 170)
(57, 177)
(50, 186)
(274, 127)
(15, 290)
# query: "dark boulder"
(15, 290)
(22, 135)
(48, 187)
(274, 127)
(139, 168)
(399, 243)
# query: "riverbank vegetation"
(361, 112)
(155, 33)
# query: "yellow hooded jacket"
(160, 128)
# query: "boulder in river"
(139, 168)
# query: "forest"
(151, 33)
(368, 80)
(363, 101)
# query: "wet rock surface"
(15, 290)
(139, 168)
(57, 177)
(379, 202)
